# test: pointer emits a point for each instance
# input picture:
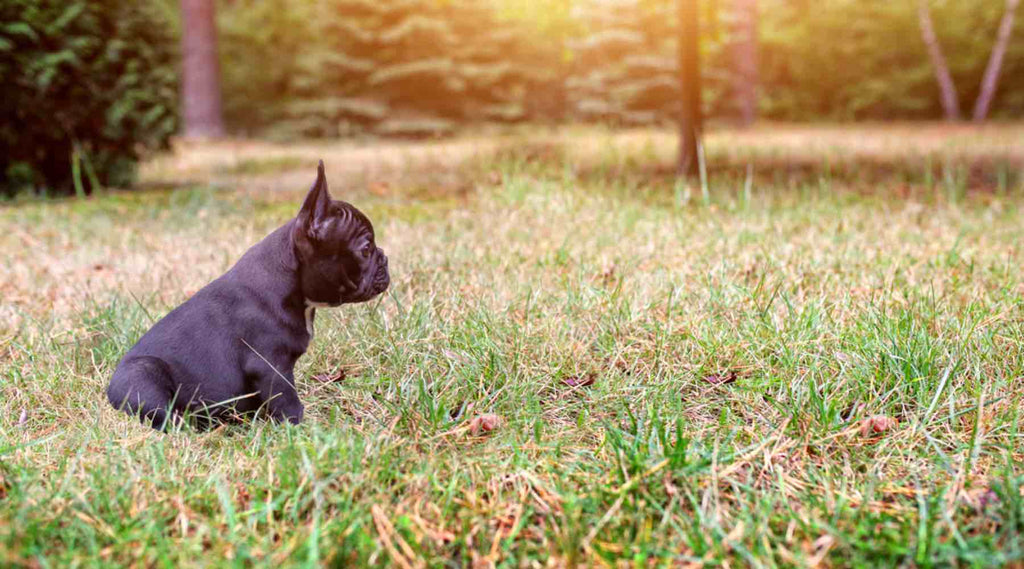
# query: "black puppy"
(231, 347)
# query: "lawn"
(813, 358)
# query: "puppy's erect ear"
(314, 210)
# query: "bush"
(88, 86)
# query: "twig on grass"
(386, 532)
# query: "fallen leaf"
(483, 424)
(981, 498)
(380, 188)
(338, 376)
(724, 379)
(608, 276)
(242, 497)
(580, 380)
(877, 425)
(623, 367)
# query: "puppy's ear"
(314, 210)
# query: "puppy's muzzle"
(382, 279)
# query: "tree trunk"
(689, 83)
(947, 90)
(995, 63)
(745, 52)
(200, 85)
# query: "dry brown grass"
(252, 164)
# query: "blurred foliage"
(421, 67)
(624, 63)
(865, 59)
(404, 67)
(87, 86)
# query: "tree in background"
(439, 64)
(690, 116)
(995, 63)
(496, 58)
(200, 77)
(406, 68)
(990, 80)
(623, 64)
(947, 89)
(745, 52)
(415, 72)
(284, 37)
(329, 94)
(544, 31)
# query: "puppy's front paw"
(291, 413)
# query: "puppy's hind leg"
(143, 387)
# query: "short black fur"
(230, 350)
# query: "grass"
(810, 367)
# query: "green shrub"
(87, 87)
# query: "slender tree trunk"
(947, 90)
(995, 63)
(745, 51)
(200, 85)
(689, 83)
